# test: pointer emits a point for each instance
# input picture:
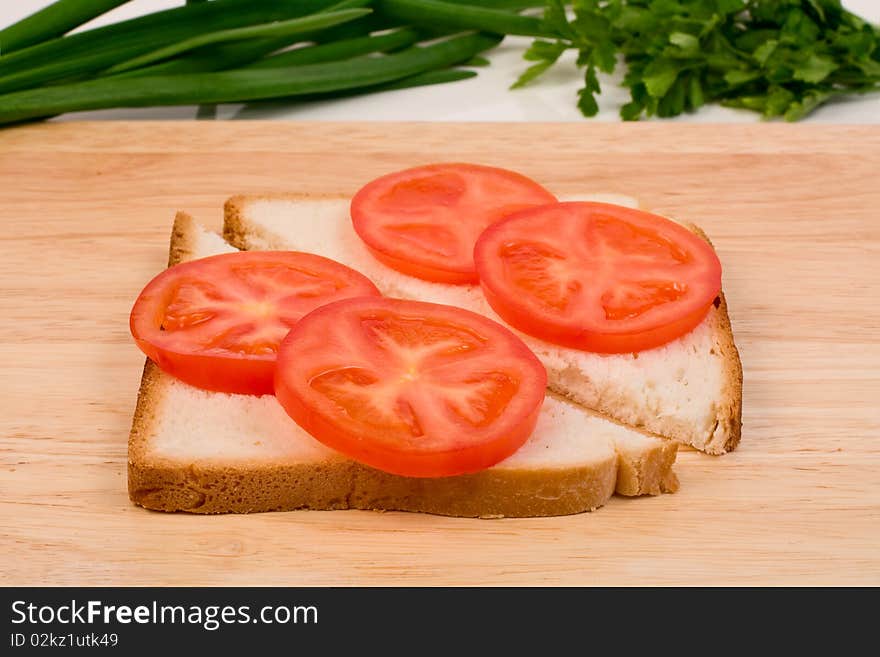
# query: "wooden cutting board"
(793, 210)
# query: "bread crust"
(166, 485)
(726, 435)
(649, 471)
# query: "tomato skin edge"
(255, 378)
(422, 271)
(430, 466)
(362, 448)
(245, 374)
(593, 340)
(459, 275)
(253, 375)
(600, 343)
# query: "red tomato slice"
(412, 388)
(216, 323)
(597, 277)
(425, 221)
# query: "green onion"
(332, 52)
(238, 54)
(214, 58)
(239, 85)
(100, 48)
(503, 5)
(424, 79)
(448, 15)
(276, 29)
(53, 21)
(477, 62)
(441, 76)
(360, 27)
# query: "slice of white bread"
(206, 452)
(689, 390)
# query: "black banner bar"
(131, 620)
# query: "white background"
(485, 98)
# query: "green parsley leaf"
(587, 103)
(687, 42)
(815, 69)
(545, 53)
(763, 52)
(782, 58)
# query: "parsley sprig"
(782, 58)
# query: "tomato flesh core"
(411, 388)
(216, 322)
(425, 221)
(597, 277)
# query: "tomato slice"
(597, 277)
(216, 322)
(425, 221)
(412, 388)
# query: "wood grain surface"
(793, 211)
